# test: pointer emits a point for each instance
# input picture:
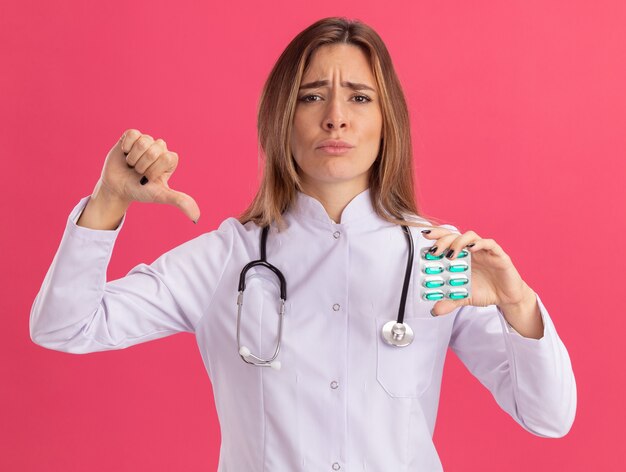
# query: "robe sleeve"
(531, 379)
(78, 311)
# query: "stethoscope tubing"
(395, 333)
(407, 274)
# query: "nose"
(333, 125)
(335, 116)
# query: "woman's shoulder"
(219, 244)
(232, 230)
(417, 219)
(423, 221)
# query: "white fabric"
(380, 415)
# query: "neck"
(334, 197)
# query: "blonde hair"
(391, 177)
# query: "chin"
(335, 177)
(332, 170)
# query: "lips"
(335, 144)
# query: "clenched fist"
(137, 168)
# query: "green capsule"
(433, 269)
(434, 282)
(462, 253)
(430, 257)
(458, 294)
(434, 295)
(460, 267)
(458, 281)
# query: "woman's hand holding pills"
(137, 168)
(495, 280)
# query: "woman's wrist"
(104, 210)
(525, 316)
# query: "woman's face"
(338, 100)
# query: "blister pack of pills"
(441, 278)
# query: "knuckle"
(156, 169)
(148, 174)
(132, 132)
(151, 173)
(142, 143)
(448, 232)
(175, 200)
(457, 244)
(140, 167)
(146, 140)
(167, 159)
(152, 154)
(131, 158)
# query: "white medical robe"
(343, 399)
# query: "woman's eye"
(365, 97)
(306, 97)
(360, 98)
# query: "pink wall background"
(521, 103)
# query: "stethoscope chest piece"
(397, 334)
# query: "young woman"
(335, 302)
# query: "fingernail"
(143, 180)
(431, 312)
(194, 222)
(426, 231)
(470, 245)
(449, 253)
(433, 249)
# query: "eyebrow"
(323, 83)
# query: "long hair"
(391, 176)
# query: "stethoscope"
(394, 332)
